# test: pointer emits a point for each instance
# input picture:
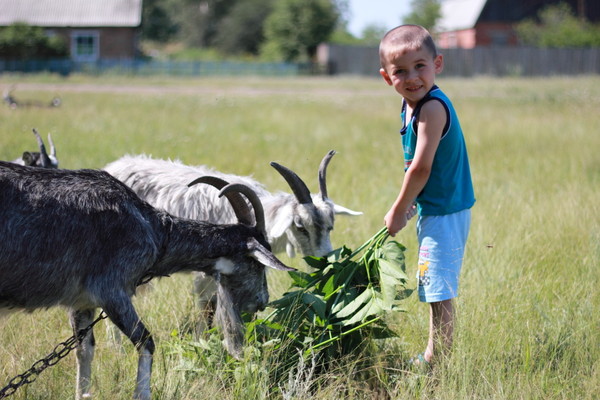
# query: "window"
(85, 45)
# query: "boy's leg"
(441, 329)
(442, 241)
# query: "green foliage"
(372, 34)
(336, 309)
(296, 27)
(24, 42)
(241, 30)
(199, 23)
(342, 36)
(558, 27)
(425, 13)
(157, 21)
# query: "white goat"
(298, 222)
(83, 240)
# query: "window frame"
(94, 55)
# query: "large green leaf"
(339, 254)
(373, 307)
(390, 269)
(393, 250)
(316, 304)
(316, 262)
(300, 279)
(353, 306)
(344, 273)
(326, 287)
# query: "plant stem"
(341, 335)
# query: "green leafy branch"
(341, 302)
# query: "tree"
(373, 33)
(25, 42)
(295, 28)
(157, 22)
(558, 27)
(242, 29)
(199, 20)
(425, 13)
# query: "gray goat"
(83, 240)
(41, 158)
(295, 222)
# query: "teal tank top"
(449, 188)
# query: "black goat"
(83, 240)
(42, 158)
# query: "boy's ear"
(385, 76)
(439, 63)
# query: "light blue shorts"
(442, 240)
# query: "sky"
(386, 13)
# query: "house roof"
(458, 14)
(72, 13)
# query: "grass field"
(527, 314)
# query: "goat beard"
(228, 319)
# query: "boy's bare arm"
(432, 119)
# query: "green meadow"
(528, 324)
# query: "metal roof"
(458, 14)
(72, 13)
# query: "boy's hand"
(395, 222)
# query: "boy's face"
(412, 73)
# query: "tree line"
(288, 30)
(282, 29)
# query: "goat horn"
(296, 184)
(46, 163)
(52, 147)
(240, 207)
(259, 213)
(323, 173)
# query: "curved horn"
(259, 213)
(52, 147)
(296, 184)
(240, 207)
(46, 163)
(323, 173)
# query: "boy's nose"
(411, 75)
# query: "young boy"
(437, 176)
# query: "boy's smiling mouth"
(414, 88)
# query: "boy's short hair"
(406, 37)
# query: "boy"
(437, 179)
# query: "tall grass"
(527, 324)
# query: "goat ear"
(283, 220)
(340, 210)
(265, 257)
(28, 158)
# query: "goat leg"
(122, 313)
(81, 319)
(205, 288)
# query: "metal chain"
(60, 351)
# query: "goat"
(13, 103)
(41, 158)
(84, 240)
(295, 222)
